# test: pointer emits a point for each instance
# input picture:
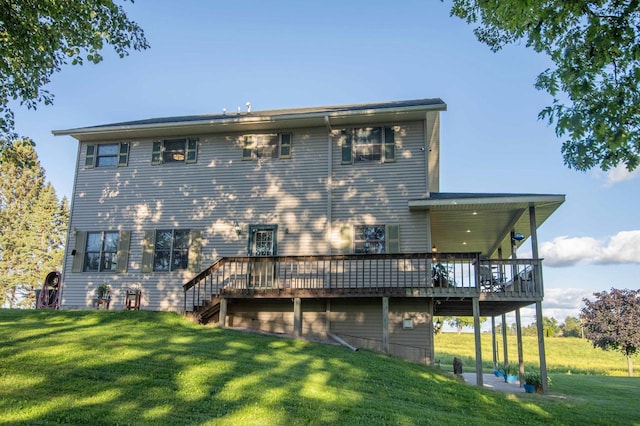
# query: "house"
(318, 222)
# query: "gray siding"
(376, 193)
(220, 189)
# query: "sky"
(206, 56)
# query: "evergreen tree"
(32, 226)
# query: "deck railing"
(441, 273)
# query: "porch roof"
(482, 222)
(267, 120)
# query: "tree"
(461, 322)
(612, 321)
(571, 327)
(550, 326)
(33, 225)
(38, 38)
(595, 46)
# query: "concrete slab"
(492, 382)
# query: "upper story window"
(101, 253)
(107, 155)
(184, 150)
(276, 145)
(171, 250)
(368, 144)
(370, 239)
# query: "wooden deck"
(452, 279)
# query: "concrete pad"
(492, 382)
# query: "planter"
(529, 388)
(511, 379)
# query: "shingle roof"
(432, 102)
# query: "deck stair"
(208, 311)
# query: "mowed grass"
(136, 367)
(564, 355)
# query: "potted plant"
(510, 373)
(103, 290)
(533, 381)
(439, 275)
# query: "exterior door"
(262, 245)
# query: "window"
(101, 252)
(107, 155)
(276, 145)
(369, 239)
(171, 250)
(174, 151)
(368, 144)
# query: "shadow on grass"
(137, 367)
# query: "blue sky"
(206, 56)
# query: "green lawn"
(135, 367)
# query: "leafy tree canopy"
(595, 46)
(612, 321)
(38, 37)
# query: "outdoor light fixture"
(237, 228)
(518, 236)
(434, 249)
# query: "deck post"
(494, 343)
(476, 332)
(327, 318)
(223, 312)
(505, 357)
(385, 324)
(543, 359)
(297, 317)
(519, 340)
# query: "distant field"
(149, 368)
(565, 355)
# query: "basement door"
(262, 246)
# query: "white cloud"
(620, 174)
(624, 247)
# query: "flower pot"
(510, 379)
(529, 388)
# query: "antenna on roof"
(248, 107)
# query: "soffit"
(482, 223)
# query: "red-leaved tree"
(612, 322)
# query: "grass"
(565, 355)
(136, 367)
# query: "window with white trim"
(366, 144)
(181, 150)
(107, 155)
(276, 145)
(101, 253)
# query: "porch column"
(297, 317)
(476, 332)
(222, 320)
(543, 359)
(327, 318)
(494, 343)
(540, 291)
(505, 350)
(519, 340)
(385, 324)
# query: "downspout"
(329, 184)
